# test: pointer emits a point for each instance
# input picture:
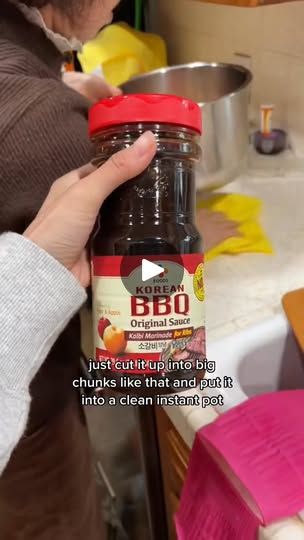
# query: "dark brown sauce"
(153, 213)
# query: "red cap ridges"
(145, 108)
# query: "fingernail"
(144, 143)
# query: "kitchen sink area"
(264, 357)
(248, 336)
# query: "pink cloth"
(260, 446)
(208, 506)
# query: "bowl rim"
(193, 65)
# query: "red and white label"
(160, 323)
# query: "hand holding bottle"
(67, 217)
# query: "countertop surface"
(244, 289)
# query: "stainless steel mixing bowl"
(222, 91)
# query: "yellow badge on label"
(198, 282)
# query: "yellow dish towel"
(245, 211)
(123, 53)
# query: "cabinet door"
(174, 454)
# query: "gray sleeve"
(38, 298)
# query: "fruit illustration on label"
(114, 339)
(102, 325)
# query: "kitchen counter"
(242, 290)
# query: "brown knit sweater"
(43, 134)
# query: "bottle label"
(148, 327)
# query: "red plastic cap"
(145, 108)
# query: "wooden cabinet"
(174, 454)
(246, 3)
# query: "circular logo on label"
(153, 276)
(198, 282)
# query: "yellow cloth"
(123, 53)
(245, 211)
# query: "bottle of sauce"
(149, 329)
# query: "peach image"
(114, 339)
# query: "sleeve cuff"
(38, 298)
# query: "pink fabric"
(261, 442)
(210, 509)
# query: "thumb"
(122, 166)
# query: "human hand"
(92, 87)
(65, 221)
(215, 227)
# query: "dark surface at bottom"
(153, 473)
(48, 489)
